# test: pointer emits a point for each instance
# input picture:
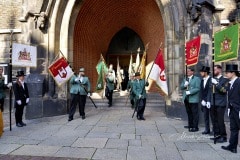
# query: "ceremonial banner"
(158, 73)
(24, 55)
(142, 67)
(192, 51)
(101, 70)
(226, 44)
(61, 71)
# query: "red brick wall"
(99, 21)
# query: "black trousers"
(207, 116)
(81, 101)
(217, 114)
(18, 112)
(234, 128)
(141, 109)
(193, 114)
(2, 104)
(109, 96)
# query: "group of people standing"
(215, 94)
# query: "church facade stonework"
(83, 29)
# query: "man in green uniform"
(140, 95)
(80, 89)
(129, 88)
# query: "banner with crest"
(24, 55)
(226, 44)
(192, 51)
(61, 71)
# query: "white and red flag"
(61, 71)
(158, 73)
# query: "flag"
(158, 73)
(226, 44)
(119, 75)
(61, 71)
(137, 63)
(101, 70)
(192, 51)
(130, 67)
(142, 67)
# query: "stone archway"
(98, 21)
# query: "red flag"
(60, 70)
(192, 51)
(158, 73)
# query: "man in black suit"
(219, 103)
(232, 74)
(21, 97)
(206, 91)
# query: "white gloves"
(19, 102)
(27, 100)
(208, 105)
(9, 85)
(88, 94)
(203, 103)
(228, 112)
(214, 81)
(187, 92)
(186, 83)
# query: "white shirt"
(205, 79)
(22, 82)
(232, 81)
(189, 78)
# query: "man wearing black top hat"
(206, 91)
(232, 74)
(21, 97)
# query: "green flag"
(101, 70)
(226, 44)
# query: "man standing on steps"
(80, 89)
(140, 95)
(109, 86)
(191, 89)
(130, 88)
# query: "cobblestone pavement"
(110, 133)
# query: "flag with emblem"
(192, 51)
(61, 71)
(101, 70)
(226, 44)
(157, 73)
(142, 67)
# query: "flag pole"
(154, 61)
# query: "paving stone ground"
(110, 134)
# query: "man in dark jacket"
(218, 105)
(232, 74)
(206, 92)
(21, 97)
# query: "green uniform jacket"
(110, 82)
(77, 87)
(2, 88)
(139, 88)
(193, 87)
(130, 87)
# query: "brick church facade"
(84, 29)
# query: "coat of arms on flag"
(61, 71)
(192, 51)
(226, 44)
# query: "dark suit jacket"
(206, 91)
(221, 92)
(234, 95)
(20, 93)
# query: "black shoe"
(193, 130)
(83, 117)
(233, 150)
(186, 127)
(70, 119)
(221, 140)
(142, 118)
(206, 132)
(110, 105)
(19, 125)
(23, 124)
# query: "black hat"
(231, 68)
(20, 73)
(205, 69)
(137, 74)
